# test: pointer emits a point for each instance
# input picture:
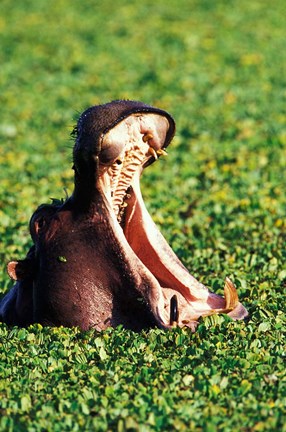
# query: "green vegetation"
(219, 198)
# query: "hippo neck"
(85, 200)
(85, 195)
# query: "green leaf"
(264, 326)
(25, 403)
(102, 353)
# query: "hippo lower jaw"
(140, 140)
(194, 299)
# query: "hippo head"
(99, 258)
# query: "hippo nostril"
(119, 162)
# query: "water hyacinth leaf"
(264, 327)
(25, 403)
(102, 353)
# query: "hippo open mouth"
(138, 138)
(99, 259)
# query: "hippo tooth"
(152, 152)
(162, 152)
(230, 294)
(147, 137)
(174, 310)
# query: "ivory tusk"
(174, 310)
(230, 294)
(152, 152)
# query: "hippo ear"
(19, 270)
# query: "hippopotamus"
(98, 259)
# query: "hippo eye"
(39, 224)
(36, 226)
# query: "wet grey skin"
(98, 259)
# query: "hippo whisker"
(98, 251)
